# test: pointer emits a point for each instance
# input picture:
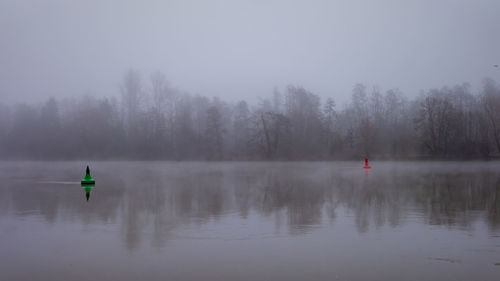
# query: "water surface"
(250, 221)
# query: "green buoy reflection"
(88, 189)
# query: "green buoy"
(88, 179)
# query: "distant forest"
(152, 120)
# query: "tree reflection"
(152, 203)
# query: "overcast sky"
(243, 49)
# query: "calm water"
(250, 221)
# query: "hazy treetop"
(239, 49)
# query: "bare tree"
(132, 97)
(435, 121)
(241, 129)
(213, 133)
(491, 104)
(5, 123)
(329, 116)
(273, 134)
(302, 108)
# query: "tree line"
(153, 120)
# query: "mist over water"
(238, 221)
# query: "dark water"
(250, 221)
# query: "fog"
(225, 140)
(249, 80)
(151, 120)
(243, 49)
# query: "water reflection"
(158, 198)
(88, 189)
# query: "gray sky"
(242, 49)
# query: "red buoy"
(367, 166)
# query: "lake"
(250, 221)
